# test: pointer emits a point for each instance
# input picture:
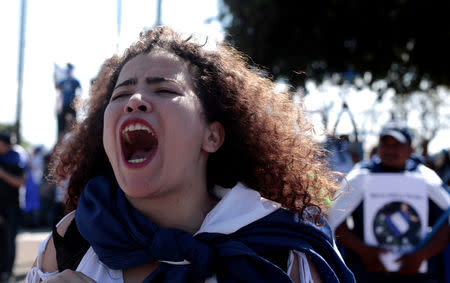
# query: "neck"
(183, 209)
(393, 168)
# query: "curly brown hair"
(268, 144)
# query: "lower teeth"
(136, 160)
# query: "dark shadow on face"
(4, 148)
(392, 153)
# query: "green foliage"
(11, 128)
(405, 43)
(7, 127)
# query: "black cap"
(5, 137)
(398, 131)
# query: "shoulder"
(48, 259)
(437, 191)
(64, 224)
(302, 233)
(311, 240)
(357, 173)
(430, 177)
(351, 192)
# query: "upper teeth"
(139, 160)
(136, 127)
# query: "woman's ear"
(214, 137)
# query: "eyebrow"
(126, 83)
(149, 80)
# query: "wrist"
(420, 254)
(364, 250)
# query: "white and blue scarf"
(122, 238)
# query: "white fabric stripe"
(236, 210)
(92, 267)
(350, 196)
(303, 266)
(184, 262)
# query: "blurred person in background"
(69, 88)
(29, 197)
(47, 193)
(35, 170)
(37, 164)
(340, 158)
(440, 162)
(12, 177)
(394, 157)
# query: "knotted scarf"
(122, 238)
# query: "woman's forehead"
(156, 63)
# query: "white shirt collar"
(238, 207)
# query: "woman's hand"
(410, 263)
(69, 276)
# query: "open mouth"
(139, 142)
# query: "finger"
(70, 276)
(64, 276)
(84, 277)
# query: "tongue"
(138, 154)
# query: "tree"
(404, 43)
(11, 129)
(428, 109)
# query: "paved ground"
(27, 249)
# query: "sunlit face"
(392, 153)
(154, 130)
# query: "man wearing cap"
(12, 171)
(394, 155)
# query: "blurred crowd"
(41, 201)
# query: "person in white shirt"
(394, 158)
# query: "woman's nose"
(136, 103)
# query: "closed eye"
(164, 90)
(161, 91)
(119, 95)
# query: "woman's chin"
(137, 190)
